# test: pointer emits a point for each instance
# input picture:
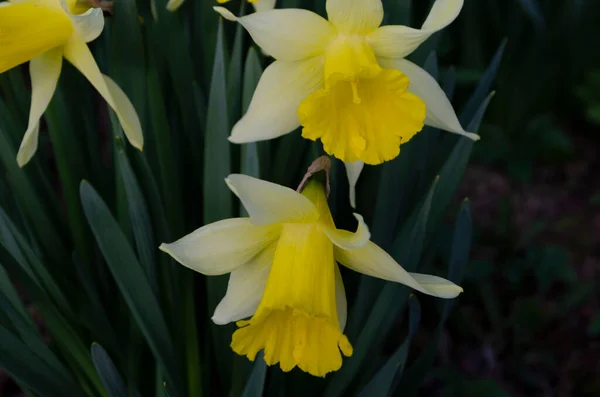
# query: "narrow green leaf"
(98, 317)
(169, 180)
(109, 374)
(459, 257)
(127, 55)
(139, 217)
(483, 87)
(7, 288)
(381, 384)
(234, 74)
(131, 280)
(71, 170)
(30, 336)
(217, 203)
(23, 365)
(34, 207)
(14, 242)
(169, 37)
(256, 381)
(452, 172)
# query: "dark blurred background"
(528, 323)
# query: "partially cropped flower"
(43, 32)
(345, 80)
(284, 273)
(259, 5)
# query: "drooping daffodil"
(345, 80)
(259, 5)
(284, 275)
(44, 32)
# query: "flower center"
(296, 322)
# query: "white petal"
(288, 34)
(245, 289)
(134, 133)
(355, 16)
(345, 239)
(89, 25)
(440, 113)
(444, 288)
(269, 203)
(273, 109)
(340, 299)
(400, 41)
(44, 71)
(374, 261)
(173, 5)
(353, 171)
(264, 5)
(442, 14)
(78, 53)
(221, 247)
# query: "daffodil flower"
(345, 80)
(43, 32)
(259, 5)
(284, 274)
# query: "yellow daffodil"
(284, 274)
(345, 80)
(43, 32)
(259, 5)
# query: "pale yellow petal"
(127, 114)
(441, 286)
(340, 299)
(442, 14)
(269, 203)
(374, 261)
(223, 246)
(173, 5)
(78, 53)
(245, 289)
(27, 30)
(89, 25)
(286, 34)
(353, 171)
(345, 239)
(273, 109)
(355, 16)
(44, 71)
(440, 113)
(400, 41)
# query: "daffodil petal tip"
(233, 139)
(472, 136)
(225, 13)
